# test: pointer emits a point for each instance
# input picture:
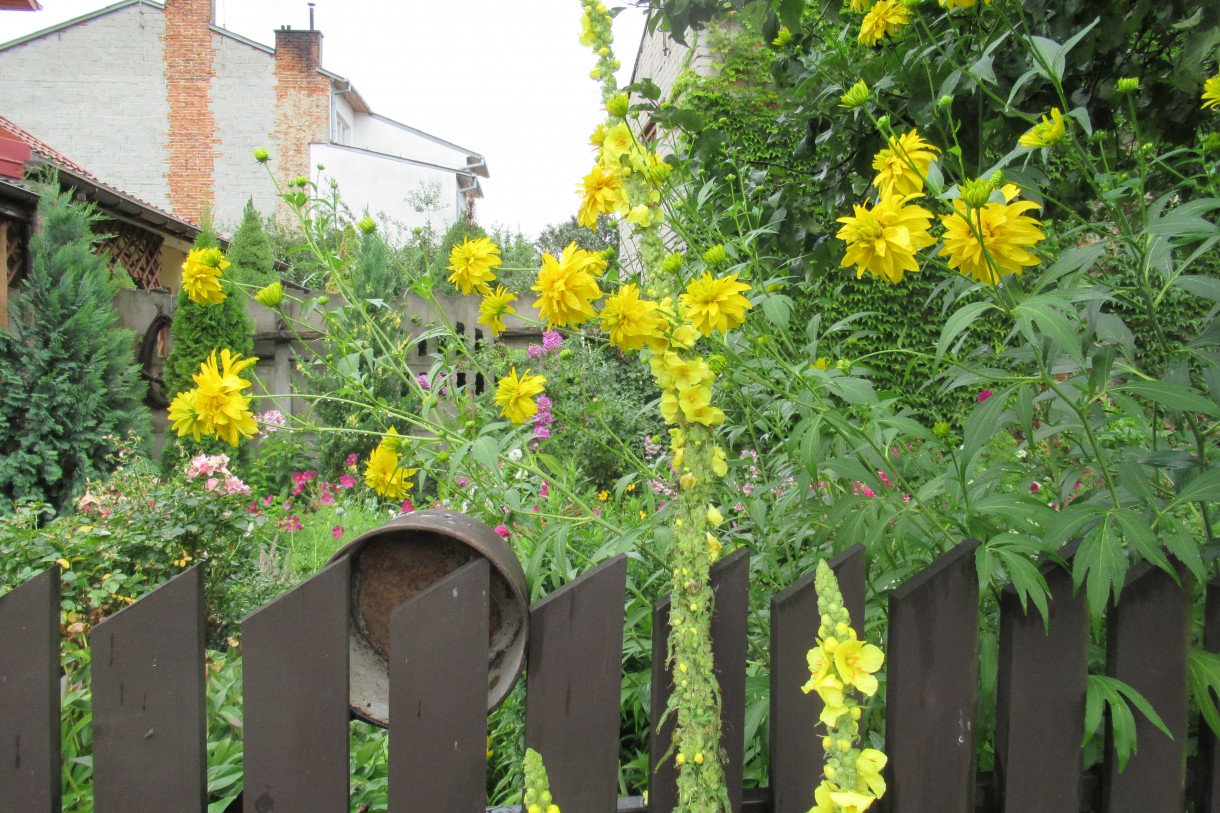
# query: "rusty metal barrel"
(407, 555)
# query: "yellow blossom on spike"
(472, 263)
(855, 661)
(869, 765)
(1046, 133)
(720, 463)
(669, 406)
(494, 307)
(685, 373)
(848, 801)
(602, 192)
(641, 215)
(629, 320)
(883, 240)
(566, 286)
(201, 274)
(383, 473)
(715, 304)
(903, 164)
(515, 395)
(617, 142)
(1007, 234)
(885, 19)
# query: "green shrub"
(68, 381)
(251, 252)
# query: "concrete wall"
(96, 92)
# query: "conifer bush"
(69, 385)
(251, 253)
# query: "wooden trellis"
(138, 250)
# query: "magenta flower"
(352, 459)
(1034, 488)
(984, 395)
(407, 506)
(337, 531)
(551, 340)
(502, 530)
(327, 498)
(462, 482)
(347, 481)
(423, 382)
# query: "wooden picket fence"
(149, 689)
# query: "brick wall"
(302, 102)
(189, 70)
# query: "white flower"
(514, 455)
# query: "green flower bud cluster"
(714, 256)
(717, 363)
(1128, 84)
(271, 296)
(537, 786)
(595, 33)
(856, 96)
(672, 264)
(976, 193)
(367, 225)
(618, 105)
(261, 155)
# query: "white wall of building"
(243, 102)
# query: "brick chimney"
(189, 69)
(302, 100)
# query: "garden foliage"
(69, 387)
(251, 252)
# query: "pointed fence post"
(295, 696)
(932, 686)
(29, 696)
(796, 752)
(573, 695)
(438, 696)
(1146, 647)
(730, 579)
(149, 749)
(1043, 676)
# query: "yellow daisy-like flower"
(222, 409)
(384, 473)
(1046, 133)
(603, 193)
(715, 304)
(494, 307)
(567, 288)
(885, 19)
(201, 274)
(883, 240)
(861, 6)
(472, 263)
(903, 165)
(184, 415)
(629, 320)
(855, 661)
(1007, 235)
(515, 395)
(1211, 92)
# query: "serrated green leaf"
(1176, 397)
(1203, 676)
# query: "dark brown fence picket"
(796, 753)
(29, 696)
(730, 579)
(1209, 745)
(295, 696)
(149, 753)
(1146, 646)
(1043, 675)
(438, 695)
(573, 693)
(932, 686)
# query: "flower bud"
(617, 105)
(261, 155)
(945, 101)
(672, 264)
(367, 225)
(714, 256)
(717, 363)
(856, 96)
(271, 296)
(1128, 84)
(977, 192)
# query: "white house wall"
(243, 102)
(363, 178)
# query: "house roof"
(15, 181)
(20, 5)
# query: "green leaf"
(1100, 564)
(777, 308)
(1204, 489)
(1206, 287)
(1176, 397)
(958, 322)
(486, 452)
(790, 13)
(1203, 676)
(1103, 691)
(984, 422)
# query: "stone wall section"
(190, 67)
(95, 91)
(302, 102)
(243, 103)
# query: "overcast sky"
(507, 80)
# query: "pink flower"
(297, 489)
(351, 461)
(552, 340)
(327, 498)
(502, 530)
(884, 479)
(423, 383)
(254, 509)
(546, 489)
(462, 482)
(337, 531)
(535, 351)
(211, 484)
(290, 523)
(906, 498)
(1034, 488)
(984, 395)
(270, 498)
(542, 432)
(234, 485)
(347, 481)
(407, 506)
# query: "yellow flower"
(855, 661)
(603, 495)
(603, 193)
(949, 5)
(383, 473)
(184, 416)
(472, 263)
(566, 287)
(218, 401)
(883, 240)
(629, 320)
(848, 801)
(669, 406)
(903, 165)
(715, 304)
(695, 403)
(685, 373)
(720, 463)
(201, 275)
(1045, 133)
(1211, 92)
(856, 96)
(885, 20)
(869, 765)
(861, 6)
(515, 395)
(1006, 231)
(631, 487)
(641, 215)
(617, 141)
(494, 307)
